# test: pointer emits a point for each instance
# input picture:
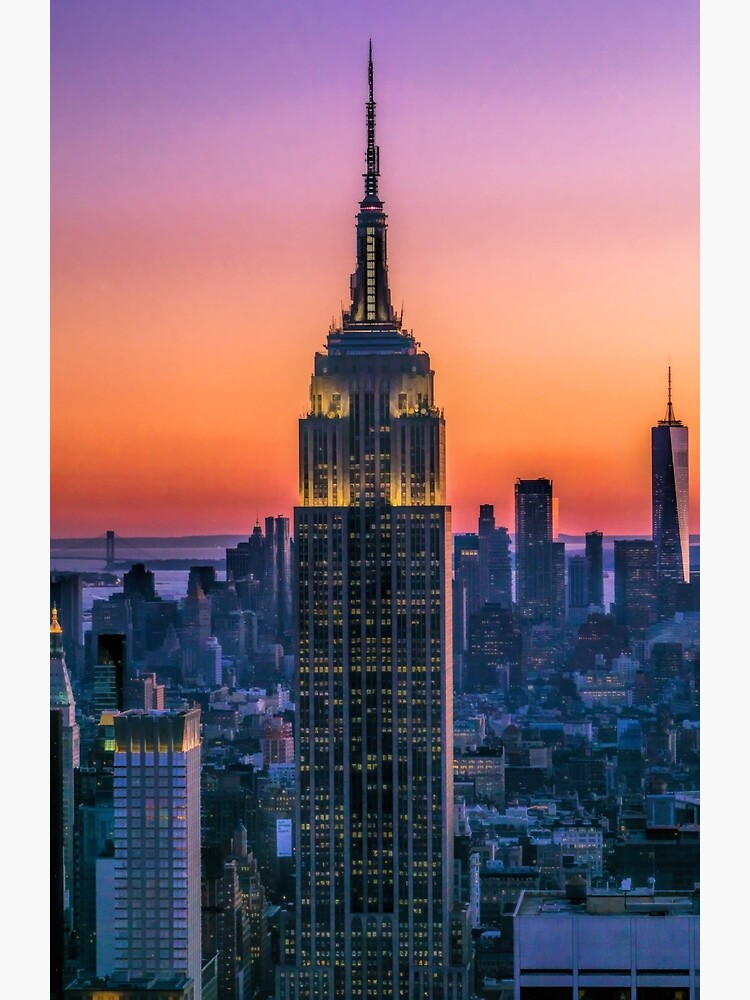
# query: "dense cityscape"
(356, 754)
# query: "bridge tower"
(110, 550)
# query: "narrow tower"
(374, 826)
(61, 697)
(669, 504)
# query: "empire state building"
(375, 915)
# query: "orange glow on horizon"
(543, 236)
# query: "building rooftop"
(608, 902)
(122, 983)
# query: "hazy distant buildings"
(595, 569)
(246, 567)
(375, 913)
(139, 582)
(669, 505)
(540, 561)
(494, 560)
(157, 927)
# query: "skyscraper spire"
(670, 420)
(371, 297)
(55, 634)
(373, 151)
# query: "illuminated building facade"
(669, 504)
(157, 927)
(374, 908)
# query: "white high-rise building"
(157, 844)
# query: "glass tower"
(669, 503)
(374, 826)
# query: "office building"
(157, 927)
(61, 698)
(594, 555)
(375, 913)
(465, 598)
(109, 673)
(632, 942)
(494, 657)
(540, 560)
(669, 505)
(145, 692)
(635, 585)
(139, 582)
(66, 594)
(57, 937)
(278, 742)
(225, 926)
(277, 583)
(112, 617)
(485, 767)
(577, 589)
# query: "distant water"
(170, 584)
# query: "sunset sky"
(540, 171)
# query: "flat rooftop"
(124, 985)
(608, 902)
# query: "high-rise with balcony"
(669, 504)
(375, 915)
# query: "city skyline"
(544, 194)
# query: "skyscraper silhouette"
(669, 505)
(595, 568)
(374, 909)
(494, 560)
(540, 561)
